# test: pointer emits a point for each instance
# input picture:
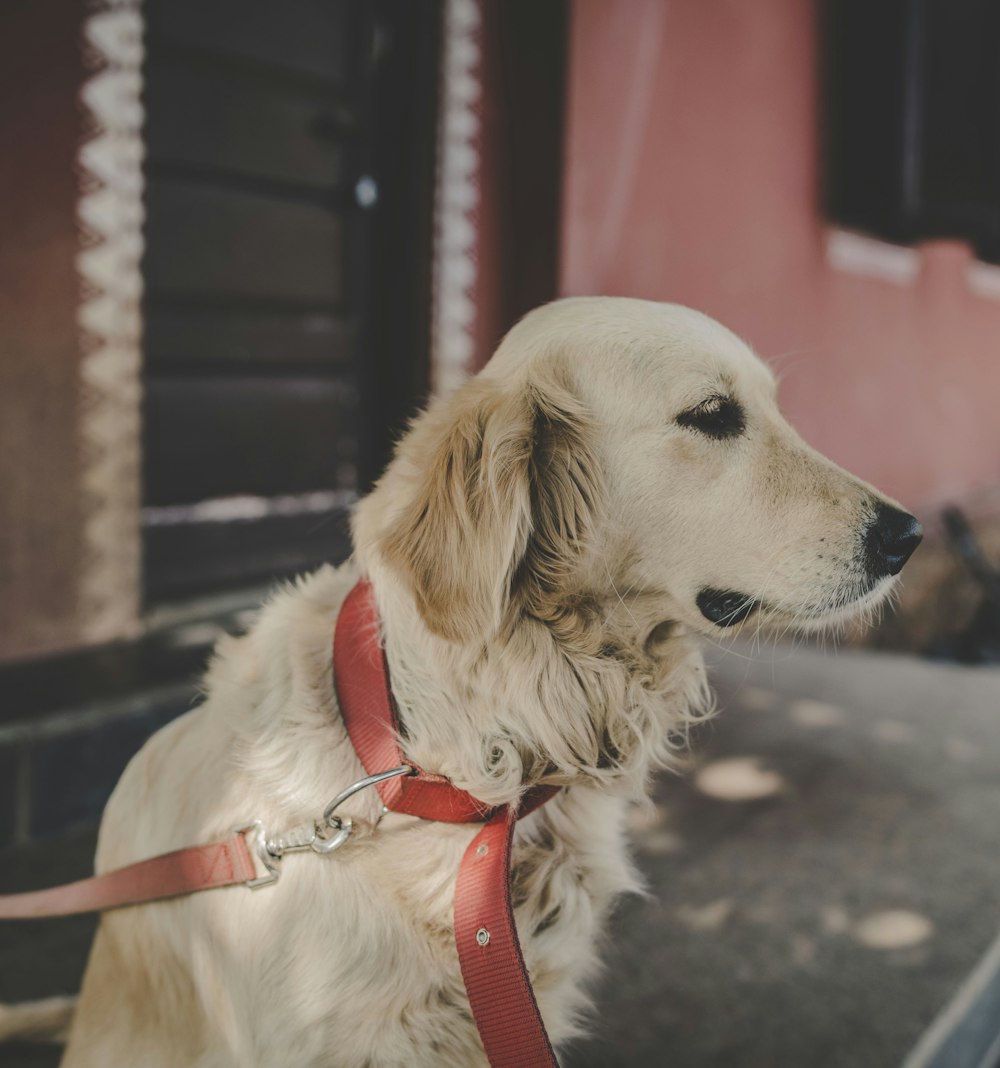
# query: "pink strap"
(181, 872)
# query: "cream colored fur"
(536, 548)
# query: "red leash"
(496, 979)
(184, 871)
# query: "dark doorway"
(289, 171)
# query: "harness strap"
(184, 871)
(368, 709)
(496, 978)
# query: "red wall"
(692, 176)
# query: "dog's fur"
(537, 547)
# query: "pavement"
(821, 877)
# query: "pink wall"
(692, 176)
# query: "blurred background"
(241, 242)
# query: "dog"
(548, 548)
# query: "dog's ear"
(566, 489)
(502, 507)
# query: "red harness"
(496, 979)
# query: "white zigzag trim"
(457, 198)
(110, 215)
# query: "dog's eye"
(718, 417)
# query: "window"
(911, 101)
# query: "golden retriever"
(546, 548)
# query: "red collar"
(496, 978)
(369, 711)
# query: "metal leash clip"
(322, 836)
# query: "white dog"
(545, 548)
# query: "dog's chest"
(569, 862)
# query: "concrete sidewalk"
(821, 879)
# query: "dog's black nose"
(890, 540)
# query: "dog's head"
(621, 449)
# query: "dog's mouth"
(726, 608)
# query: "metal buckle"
(257, 839)
(322, 836)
